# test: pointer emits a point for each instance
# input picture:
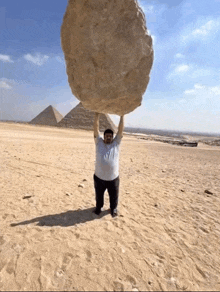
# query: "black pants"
(113, 189)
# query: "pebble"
(208, 192)
(27, 197)
(81, 185)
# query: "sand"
(167, 236)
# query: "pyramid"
(81, 118)
(50, 117)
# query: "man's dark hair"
(108, 131)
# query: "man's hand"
(96, 125)
(121, 127)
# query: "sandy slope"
(167, 236)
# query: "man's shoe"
(97, 211)
(114, 213)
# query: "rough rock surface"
(108, 54)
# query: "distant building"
(49, 117)
(81, 118)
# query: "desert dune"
(167, 234)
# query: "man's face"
(108, 137)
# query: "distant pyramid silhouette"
(50, 117)
(81, 118)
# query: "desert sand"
(167, 234)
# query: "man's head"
(108, 136)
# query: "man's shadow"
(69, 218)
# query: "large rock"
(108, 54)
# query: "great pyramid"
(81, 118)
(50, 117)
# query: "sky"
(184, 89)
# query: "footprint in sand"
(131, 280)
(67, 260)
(10, 269)
(58, 280)
(8, 259)
(118, 286)
(3, 263)
(6, 215)
(2, 241)
(125, 286)
(89, 255)
(77, 235)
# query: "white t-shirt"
(107, 158)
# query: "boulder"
(108, 54)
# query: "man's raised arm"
(96, 125)
(121, 127)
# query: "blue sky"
(184, 89)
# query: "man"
(107, 166)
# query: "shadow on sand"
(69, 218)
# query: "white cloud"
(199, 86)
(202, 89)
(190, 91)
(215, 90)
(202, 30)
(192, 71)
(6, 58)
(179, 56)
(182, 68)
(206, 28)
(179, 71)
(201, 72)
(5, 84)
(38, 59)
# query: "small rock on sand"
(208, 192)
(27, 197)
